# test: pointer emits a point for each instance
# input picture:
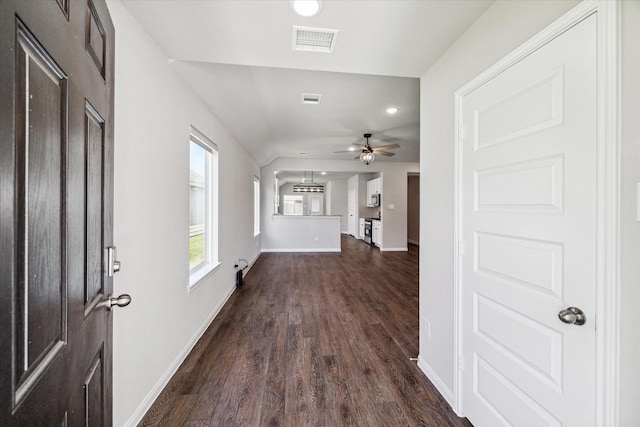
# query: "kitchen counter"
(303, 233)
(306, 216)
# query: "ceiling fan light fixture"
(367, 157)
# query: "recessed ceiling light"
(302, 153)
(323, 173)
(305, 7)
(392, 110)
(352, 148)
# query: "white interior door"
(315, 204)
(352, 208)
(528, 229)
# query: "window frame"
(211, 231)
(287, 199)
(256, 206)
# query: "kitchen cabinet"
(361, 234)
(374, 186)
(376, 234)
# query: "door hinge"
(462, 132)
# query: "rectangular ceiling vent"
(311, 98)
(314, 39)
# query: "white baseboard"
(153, 394)
(414, 242)
(435, 379)
(405, 249)
(304, 250)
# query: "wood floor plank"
(311, 339)
(272, 412)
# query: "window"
(203, 206)
(256, 206)
(276, 195)
(292, 205)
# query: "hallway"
(311, 339)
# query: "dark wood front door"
(56, 192)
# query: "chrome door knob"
(572, 316)
(120, 301)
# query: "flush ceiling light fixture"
(305, 8)
(392, 110)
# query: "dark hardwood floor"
(311, 339)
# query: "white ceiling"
(237, 56)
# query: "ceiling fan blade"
(383, 153)
(356, 158)
(386, 147)
(345, 151)
(359, 145)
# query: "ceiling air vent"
(314, 39)
(311, 98)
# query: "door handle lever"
(119, 301)
(572, 316)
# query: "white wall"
(502, 28)
(630, 224)
(328, 190)
(394, 177)
(337, 202)
(153, 112)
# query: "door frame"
(607, 196)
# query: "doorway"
(413, 208)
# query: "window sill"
(198, 277)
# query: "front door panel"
(56, 162)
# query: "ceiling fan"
(368, 154)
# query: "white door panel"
(352, 209)
(528, 188)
